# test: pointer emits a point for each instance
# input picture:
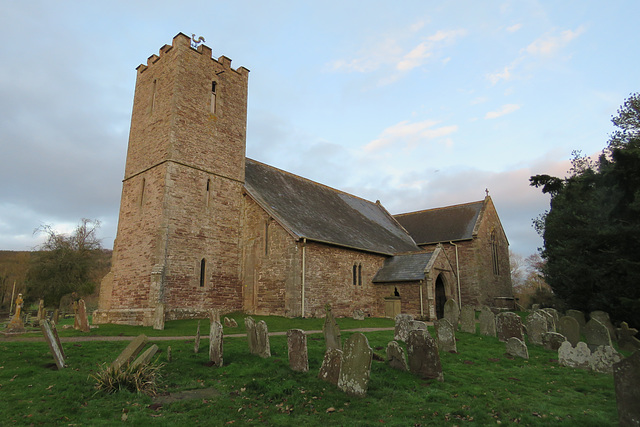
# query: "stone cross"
(331, 330)
(626, 338)
(356, 366)
(297, 350)
(215, 343)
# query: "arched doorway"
(441, 297)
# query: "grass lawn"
(482, 385)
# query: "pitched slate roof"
(320, 213)
(403, 268)
(446, 224)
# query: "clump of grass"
(142, 378)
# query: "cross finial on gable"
(486, 190)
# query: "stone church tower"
(178, 243)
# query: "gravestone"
(536, 326)
(81, 317)
(468, 319)
(358, 314)
(130, 352)
(233, 323)
(509, 325)
(54, 344)
(215, 343)
(418, 325)
(452, 312)
(626, 338)
(579, 316)
(330, 368)
(603, 317)
(297, 350)
(41, 312)
(423, 357)
(402, 327)
(574, 357)
(196, 343)
(250, 326)
(550, 323)
(214, 315)
(596, 334)
(487, 322)
(356, 366)
(570, 328)
(626, 377)
(517, 348)
(56, 315)
(76, 324)
(54, 329)
(396, 356)
(263, 348)
(331, 330)
(552, 340)
(603, 359)
(446, 334)
(145, 357)
(555, 314)
(227, 322)
(158, 317)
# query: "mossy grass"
(481, 385)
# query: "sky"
(418, 104)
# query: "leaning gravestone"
(196, 343)
(263, 348)
(250, 326)
(145, 357)
(215, 343)
(517, 348)
(446, 334)
(330, 368)
(158, 317)
(579, 316)
(468, 319)
(509, 325)
(536, 326)
(552, 340)
(81, 316)
(358, 314)
(555, 314)
(452, 312)
(626, 338)
(331, 330)
(54, 329)
(603, 359)
(550, 323)
(396, 356)
(574, 357)
(570, 328)
(596, 334)
(487, 322)
(130, 352)
(297, 350)
(54, 344)
(402, 327)
(626, 377)
(423, 357)
(356, 366)
(603, 317)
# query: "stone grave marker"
(603, 317)
(130, 352)
(509, 325)
(263, 348)
(146, 356)
(56, 315)
(579, 316)
(423, 357)
(603, 359)
(536, 326)
(570, 328)
(402, 327)
(550, 326)
(487, 322)
(233, 323)
(555, 314)
(574, 357)
(76, 324)
(215, 343)
(41, 312)
(297, 350)
(468, 319)
(552, 340)
(446, 334)
(626, 377)
(227, 322)
(158, 317)
(82, 319)
(396, 357)
(356, 366)
(626, 338)
(517, 348)
(452, 312)
(596, 334)
(214, 315)
(330, 368)
(54, 329)
(250, 326)
(358, 314)
(196, 343)
(331, 330)
(54, 344)
(417, 324)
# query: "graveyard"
(478, 381)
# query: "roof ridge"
(439, 208)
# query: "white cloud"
(415, 58)
(505, 109)
(514, 28)
(503, 75)
(410, 133)
(550, 43)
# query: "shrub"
(142, 378)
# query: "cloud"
(407, 132)
(504, 110)
(419, 54)
(501, 75)
(514, 28)
(550, 43)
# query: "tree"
(592, 230)
(64, 263)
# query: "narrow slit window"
(208, 191)
(494, 254)
(203, 271)
(213, 97)
(355, 275)
(153, 96)
(360, 275)
(142, 188)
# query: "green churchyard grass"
(481, 385)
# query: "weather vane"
(195, 42)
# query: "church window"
(266, 238)
(359, 274)
(213, 98)
(203, 270)
(494, 253)
(144, 182)
(208, 191)
(355, 274)
(153, 96)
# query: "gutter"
(304, 244)
(458, 276)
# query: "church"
(201, 226)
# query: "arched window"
(203, 271)
(494, 253)
(355, 274)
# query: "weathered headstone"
(423, 357)
(555, 314)
(250, 326)
(54, 329)
(579, 316)
(626, 338)
(417, 324)
(81, 320)
(76, 321)
(56, 315)
(41, 312)
(356, 366)
(297, 350)
(215, 343)
(536, 326)
(233, 323)
(145, 357)
(158, 317)
(574, 357)
(358, 314)
(331, 330)
(263, 348)
(54, 344)
(402, 327)
(626, 377)
(130, 352)
(227, 322)
(330, 368)
(214, 315)
(548, 317)
(396, 356)
(196, 343)
(552, 340)
(570, 328)
(509, 325)
(517, 348)
(487, 322)
(452, 312)
(603, 359)
(468, 319)
(596, 334)
(604, 318)
(446, 334)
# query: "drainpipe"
(304, 243)
(458, 276)
(421, 303)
